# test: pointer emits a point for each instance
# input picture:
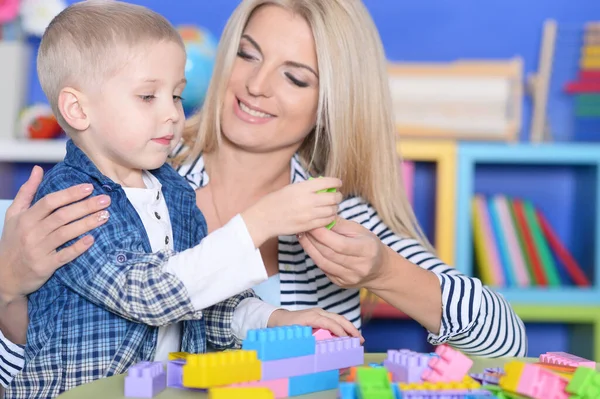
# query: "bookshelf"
(563, 180)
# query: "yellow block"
(241, 393)
(590, 63)
(222, 368)
(466, 383)
(513, 371)
(178, 355)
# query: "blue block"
(281, 342)
(347, 390)
(315, 382)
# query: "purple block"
(145, 380)
(338, 353)
(406, 365)
(285, 368)
(485, 378)
(175, 375)
(446, 394)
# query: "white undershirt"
(152, 209)
(224, 264)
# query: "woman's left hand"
(349, 254)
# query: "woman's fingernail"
(103, 200)
(103, 216)
(87, 188)
(299, 235)
(87, 240)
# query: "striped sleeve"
(12, 359)
(475, 319)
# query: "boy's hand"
(316, 318)
(294, 209)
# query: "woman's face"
(271, 99)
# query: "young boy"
(113, 74)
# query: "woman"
(302, 90)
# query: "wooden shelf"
(42, 151)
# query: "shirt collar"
(297, 172)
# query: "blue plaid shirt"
(100, 314)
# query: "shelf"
(32, 151)
(562, 180)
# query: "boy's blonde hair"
(88, 41)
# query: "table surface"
(113, 387)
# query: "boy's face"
(136, 116)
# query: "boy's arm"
(228, 322)
(115, 273)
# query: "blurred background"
(498, 112)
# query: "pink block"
(321, 334)
(285, 368)
(450, 366)
(540, 383)
(280, 388)
(566, 359)
(338, 353)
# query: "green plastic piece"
(585, 384)
(373, 383)
(327, 190)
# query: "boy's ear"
(71, 106)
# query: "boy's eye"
(177, 99)
(147, 98)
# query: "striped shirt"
(475, 319)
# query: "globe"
(201, 47)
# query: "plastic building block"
(321, 334)
(352, 376)
(585, 384)
(533, 381)
(374, 383)
(285, 368)
(406, 365)
(466, 384)
(347, 390)
(338, 353)
(175, 376)
(280, 387)
(280, 342)
(558, 368)
(237, 393)
(566, 359)
(178, 355)
(327, 190)
(450, 366)
(486, 378)
(309, 383)
(224, 368)
(145, 380)
(449, 394)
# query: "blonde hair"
(354, 138)
(81, 44)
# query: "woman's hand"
(349, 254)
(28, 255)
(316, 318)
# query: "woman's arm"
(453, 307)
(28, 255)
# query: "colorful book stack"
(407, 170)
(587, 86)
(515, 246)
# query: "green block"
(373, 383)
(585, 383)
(327, 190)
